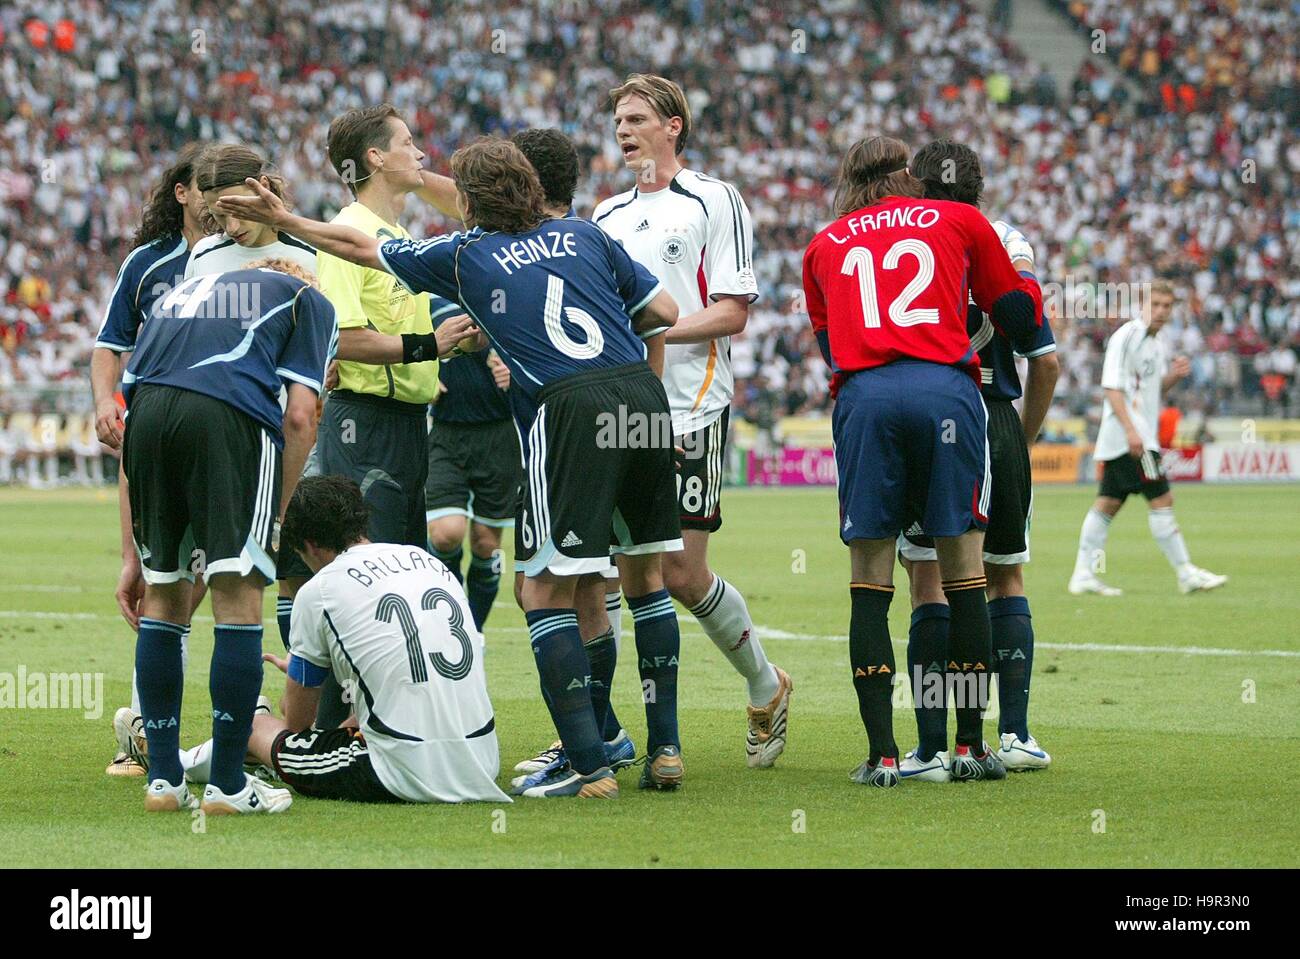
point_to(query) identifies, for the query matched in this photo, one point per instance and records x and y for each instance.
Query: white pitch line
(765, 632)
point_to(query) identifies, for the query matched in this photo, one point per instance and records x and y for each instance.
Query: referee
(373, 427)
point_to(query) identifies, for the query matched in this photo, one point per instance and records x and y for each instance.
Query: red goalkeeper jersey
(891, 281)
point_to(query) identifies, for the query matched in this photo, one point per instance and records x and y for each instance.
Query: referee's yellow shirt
(373, 299)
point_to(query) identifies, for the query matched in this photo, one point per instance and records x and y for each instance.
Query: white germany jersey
(696, 237)
(395, 627)
(219, 254)
(1135, 363)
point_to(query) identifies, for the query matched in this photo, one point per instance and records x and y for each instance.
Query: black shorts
(381, 444)
(1006, 541)
(600, 474)
(474, 471)
(699, 482)
(1128, 474)
(328, 764)
(204, 483)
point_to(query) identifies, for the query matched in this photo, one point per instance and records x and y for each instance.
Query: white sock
(185, 662)
(1092, 542)
(723, 615)
(1164, 528)
(614, 607)
(197, 762)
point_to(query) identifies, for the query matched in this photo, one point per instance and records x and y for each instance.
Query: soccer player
(693, 232)
(886, 286)
(574, 353)
(221, 171)
(393, 623)
(951, 171)
(211, 460)
(554, 157)
(474, 470)
(172, 224)
(1134, 374)
(373, 427)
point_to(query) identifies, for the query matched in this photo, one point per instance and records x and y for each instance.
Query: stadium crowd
(1194, 177)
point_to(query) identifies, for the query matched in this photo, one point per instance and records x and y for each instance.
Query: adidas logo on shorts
(570, 539)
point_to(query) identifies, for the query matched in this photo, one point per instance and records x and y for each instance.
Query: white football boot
(162, 796)
(765, 739)
(132, 757)
(1087, 582)
(1193, 579)
(256, 797)
(1019, 755)
(935, 771)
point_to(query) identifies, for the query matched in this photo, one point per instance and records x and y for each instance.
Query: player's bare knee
(1004, 581)
(1108, 505)
(446, 533)
(924, 583)
(484, 540)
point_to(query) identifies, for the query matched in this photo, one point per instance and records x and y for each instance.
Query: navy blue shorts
(911, 443)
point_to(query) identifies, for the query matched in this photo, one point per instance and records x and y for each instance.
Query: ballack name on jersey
(390, 564)
(522, 253)
(889, 219)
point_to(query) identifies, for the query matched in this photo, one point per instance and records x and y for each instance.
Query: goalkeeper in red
(886, 286)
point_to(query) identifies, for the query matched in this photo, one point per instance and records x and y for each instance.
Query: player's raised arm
(440, 193)
(342, 241)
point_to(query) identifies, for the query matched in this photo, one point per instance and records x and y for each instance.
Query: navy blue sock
(658, 647)
(927, 660)
(234, 681)
(566, 676)
(871, 658)
(1013, 652)
(160, 679)
(451, 559)
(283, 609)
(481, 584)
(603, 656)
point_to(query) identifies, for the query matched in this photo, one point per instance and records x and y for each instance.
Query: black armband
(1013, 314)
(419, 347)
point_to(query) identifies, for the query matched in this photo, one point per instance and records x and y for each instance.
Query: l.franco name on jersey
(923, 217)
(391, 564)
(522, 253)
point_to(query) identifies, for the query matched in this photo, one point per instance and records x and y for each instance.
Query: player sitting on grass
(1134, 373)
(951, 171)
(393, 625)
(577, 304)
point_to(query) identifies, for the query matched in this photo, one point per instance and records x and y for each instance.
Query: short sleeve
(1037, 342)
(1114, 366)
(636, 285)
(122, 317)
(729, 248)
(308, 638)
(312, 341)
(427, 266)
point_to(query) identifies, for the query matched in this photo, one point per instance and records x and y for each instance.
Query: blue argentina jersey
(998, 377)
(555, 301)
(148, 273)
(472, 396)
(236, 337)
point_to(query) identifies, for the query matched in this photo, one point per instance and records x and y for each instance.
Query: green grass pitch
(1174, 754)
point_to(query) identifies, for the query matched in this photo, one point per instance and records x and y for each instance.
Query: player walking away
(951, 171)
(172, 224)
(885, 286)
(474, 469)
(574, 354)
(393, 623)
(694, 233)
(1135, 372)
(554, 157)
(373, 427)
(221, 171)
(211, 460)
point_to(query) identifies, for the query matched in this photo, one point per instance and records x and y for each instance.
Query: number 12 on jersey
(900, 311)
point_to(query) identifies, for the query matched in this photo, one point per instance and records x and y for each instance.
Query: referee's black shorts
(204, 485)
